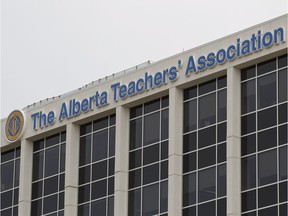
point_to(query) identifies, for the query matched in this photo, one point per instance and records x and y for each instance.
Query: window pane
(111, 206)
(222, 82)
(84, 194)
(207, 137)
(206, 157)
(266, 66)
(282, 86)
(267, 196)
(83, 210)
(207, 110)
(51, 161)
(189, 189)
(100, 124)
(283, 194)
(99, 189)
(266, 90)
(189, 142)
(221, 180)
(151, 200)
(221, 207)
(37, 189)
(164, 196)
(136, 111)
(135, 159)
(100, 145)
(134, 203)
(207, 87)
(189, 162)
(134, 178)
(248, 96)
(282, 61)
(207, 209)
(112, 142)
(99, 207)
(248, 144)
(248, 73)
(135, 134)
(248, 124)
(248, 172)
(248, 201)
(7, 171)
(50, 204)
(222, 105)
(50, 185)
(190, 93)
(283, 113)
(38, 165)
(84, 175)
(207, 184)
(267, 118)
(52, 140)
(165, 102)
(151, 174)
(99, 170)
(151, 106)
(267, 166)
(221, 132)
(268, 211)
(221, 153)
(6, 199)
(86, 128)
(190, 113)
(283, 163)
(164, 124)
(267, 139)
(152, 128)
(151, 154)
(85, 150)
(36, 208)
(189, 211)
(283, 134)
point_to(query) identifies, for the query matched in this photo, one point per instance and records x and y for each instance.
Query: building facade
(201, 133)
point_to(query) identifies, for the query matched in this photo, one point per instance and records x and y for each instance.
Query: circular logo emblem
(14, 126)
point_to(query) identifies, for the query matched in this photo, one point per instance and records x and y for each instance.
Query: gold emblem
(14, 126)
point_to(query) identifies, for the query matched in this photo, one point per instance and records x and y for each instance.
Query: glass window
(135, 133)
(248, 172)
(248, 73)
(221, 82)
(190, 142)
(282, 61)
(85, 150)
(222, 105)
(282, 115)
(267, 167)
(134, 203)
(151, 154)
(135, 159)
(150, 200)
(267, 196)
(267, 139)
(268, 211)
(189, 162)
(248, 201)
(164, 196)
(248, 144)
(207, 157)
(151, 106)
(190, 113)
(189, 189)
(266, 66)
(283, 163)
(190, 93)
(207, 184)
(151, 174)
(266, 88)
(221, 180)
(207, 137)
(98, 207)
(164, 124)
(100, 124)
(283, 195)
(100, 145)
(282, 86)
(207, 111)
(51, 161)
(248, 96)
(207, 209)
(152, 128)
(283, 134)
(267, 118)
(207, 87)
(248, 124)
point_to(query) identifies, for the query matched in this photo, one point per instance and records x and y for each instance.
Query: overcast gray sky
(50, 47)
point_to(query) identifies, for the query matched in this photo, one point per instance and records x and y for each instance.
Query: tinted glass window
(190, 112)
(189, 189)
(151, 128)
(248, 173)
(267, 163)
(207, 111)
(207, 184)
(266, 66)
(248, 96)
(266, 90)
